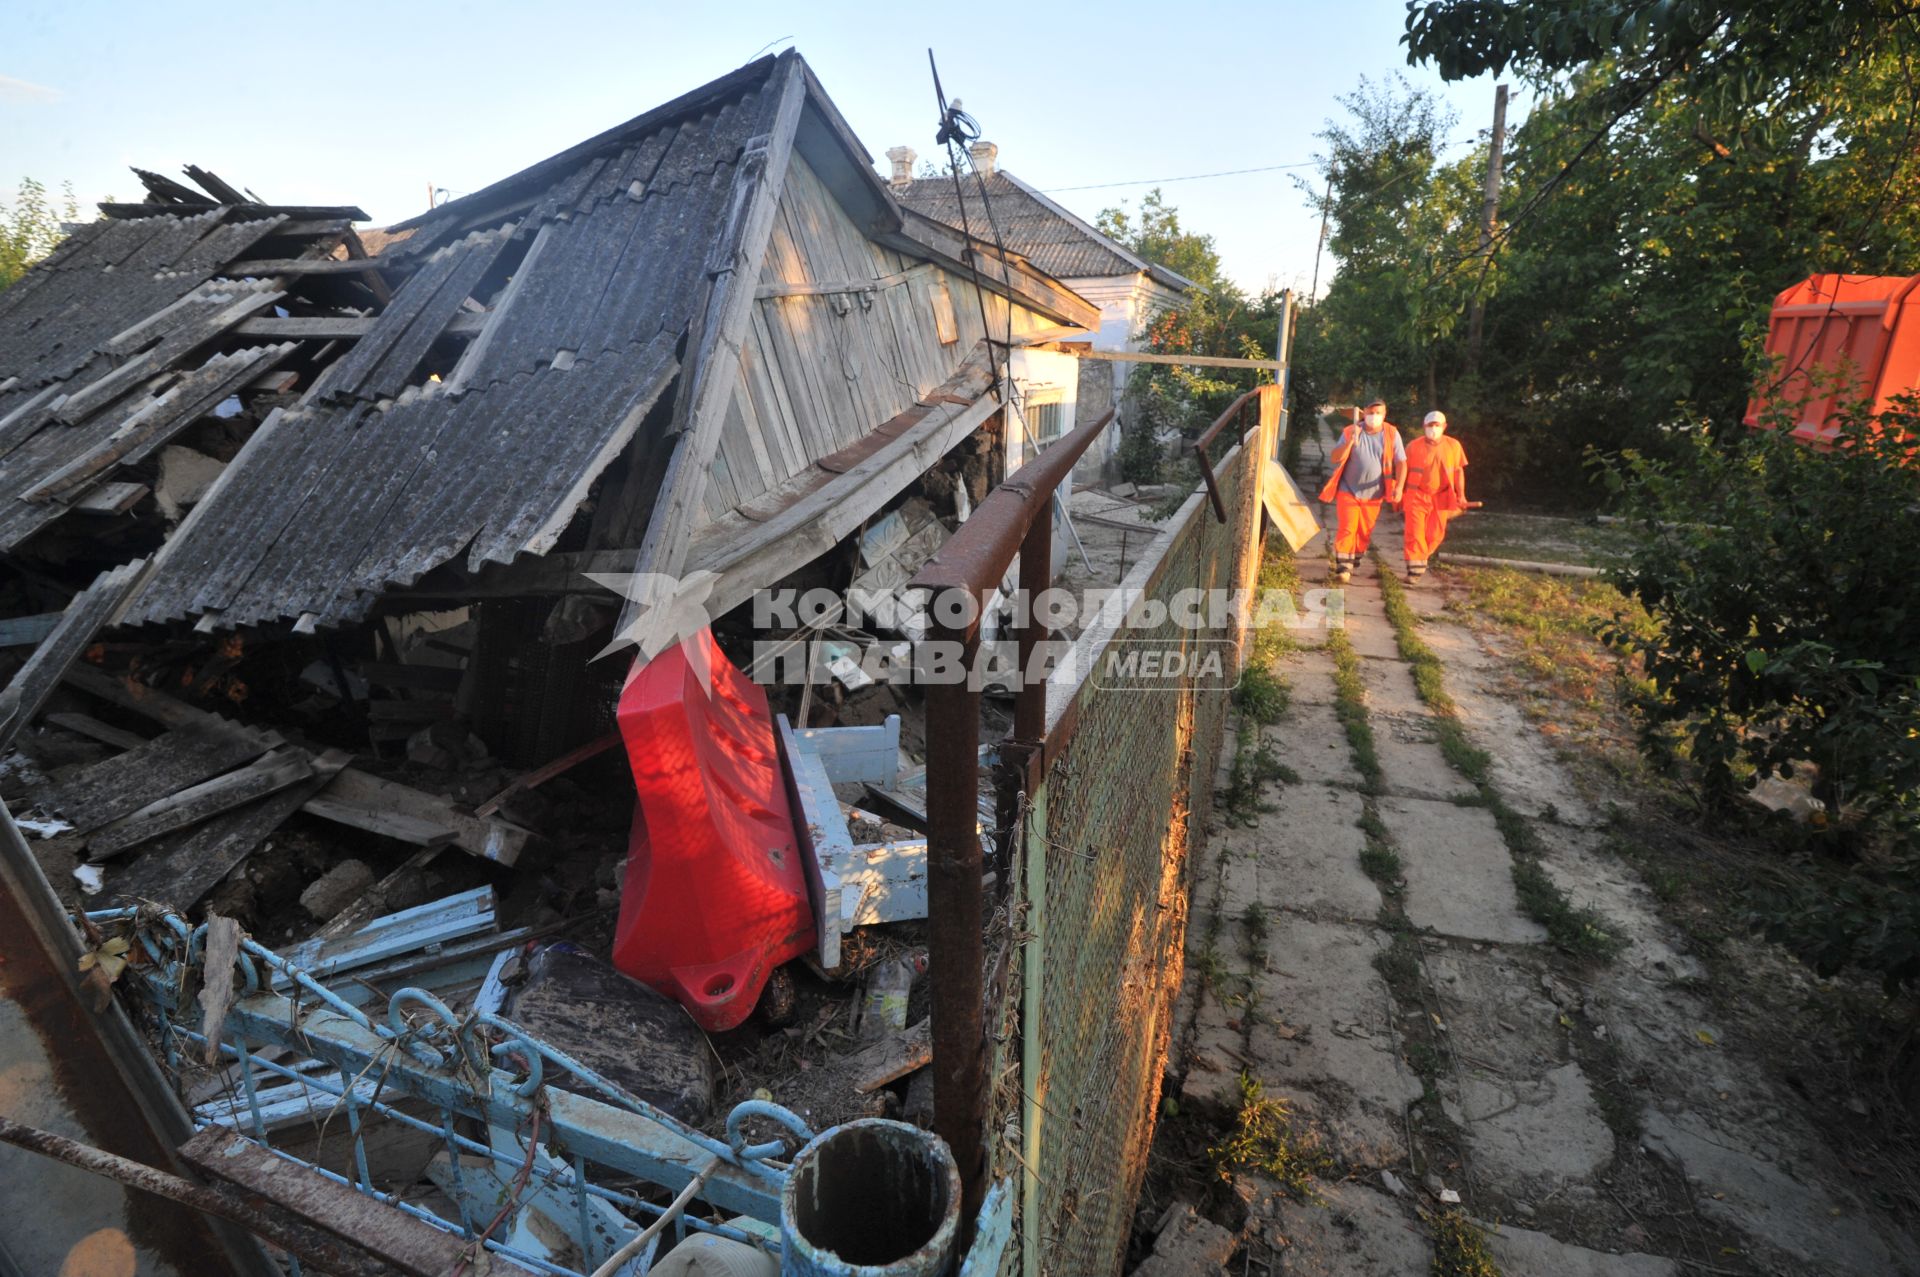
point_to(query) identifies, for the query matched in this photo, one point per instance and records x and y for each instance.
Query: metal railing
(597, 1161)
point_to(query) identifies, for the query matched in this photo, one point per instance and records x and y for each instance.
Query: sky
(380, 105)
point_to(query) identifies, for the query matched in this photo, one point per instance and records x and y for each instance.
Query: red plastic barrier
(1868, 322)
(715, 895)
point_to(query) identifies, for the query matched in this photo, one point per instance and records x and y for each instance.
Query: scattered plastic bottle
(883, 1007)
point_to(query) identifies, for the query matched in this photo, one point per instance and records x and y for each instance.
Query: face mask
(1434, 432)
(1375, 418)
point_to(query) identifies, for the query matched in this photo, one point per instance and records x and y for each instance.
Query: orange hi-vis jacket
(1436, 472)
(1395, 478)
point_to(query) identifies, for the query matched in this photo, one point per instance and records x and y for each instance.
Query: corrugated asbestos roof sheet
(344, 496)
(1029, 224)
(103, 348)
(102, 280)
(328, 506)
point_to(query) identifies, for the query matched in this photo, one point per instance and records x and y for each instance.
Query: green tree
(1155, 233)
(1401, 223)
(1215, 318)
(30, 227)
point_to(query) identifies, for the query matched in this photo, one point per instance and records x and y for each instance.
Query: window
(1047, 419)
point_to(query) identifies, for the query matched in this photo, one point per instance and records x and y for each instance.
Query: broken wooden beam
(88, 611)
(892, 1058)
(268, 266)
(239, 212)
(311, 1245)
(196, 803)
(541, 775)
(27, 631)
(353, 798)
(337, 327)
(397, 1241)
(111, 498)
(151, 771)
(92, 728)
(398, 811)
(180, 868)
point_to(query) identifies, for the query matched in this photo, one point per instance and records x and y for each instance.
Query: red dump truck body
(1868, 324)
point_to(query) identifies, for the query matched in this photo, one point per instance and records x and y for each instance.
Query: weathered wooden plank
(395, 1239)
(412, 678)
(374, 820)
(282, 328)
(105, 733)
(241, 213)
(180, 868)
(353, 798)
(87, 612)
(108, 791)
(892, 1058)
(269, 266)
(190, 806)
(366, 802)
(1142, 357)
(26, 631)
(112, 498)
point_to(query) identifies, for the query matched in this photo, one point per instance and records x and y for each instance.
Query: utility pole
(1326, 205)
(1283, 355)
(1489, 211)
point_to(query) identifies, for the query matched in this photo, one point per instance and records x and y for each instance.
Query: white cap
(1435, 419)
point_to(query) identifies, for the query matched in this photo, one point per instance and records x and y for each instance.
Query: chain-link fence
(1108, 840)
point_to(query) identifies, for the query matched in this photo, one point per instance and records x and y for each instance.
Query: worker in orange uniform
(1436, 491)
(1369, 467)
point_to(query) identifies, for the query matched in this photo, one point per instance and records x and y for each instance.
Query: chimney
(983, 156)
(903, 158)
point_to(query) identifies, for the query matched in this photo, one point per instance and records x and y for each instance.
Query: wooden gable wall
(846, 335)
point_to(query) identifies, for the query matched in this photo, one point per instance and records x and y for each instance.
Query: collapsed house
(349, 523)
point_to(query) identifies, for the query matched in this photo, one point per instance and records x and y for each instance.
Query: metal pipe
(874, 1198)
(956, 913)
(970, 564)
(1199, 450)
(308, 1243)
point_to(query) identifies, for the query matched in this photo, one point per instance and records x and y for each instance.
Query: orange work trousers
(1354, 520)
(1426, 526)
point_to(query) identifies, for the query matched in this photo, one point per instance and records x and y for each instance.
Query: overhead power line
(1232, 172)
(1191, 177)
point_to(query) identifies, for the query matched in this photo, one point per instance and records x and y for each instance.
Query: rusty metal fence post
(1014, 518)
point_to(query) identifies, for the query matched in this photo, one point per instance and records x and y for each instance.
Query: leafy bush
(1782, 588)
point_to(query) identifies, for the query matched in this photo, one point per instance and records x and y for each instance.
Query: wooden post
(1489, 210)
(1326, 206)
(1283, 355)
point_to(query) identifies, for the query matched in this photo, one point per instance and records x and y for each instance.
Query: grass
(1538, 538)
(1262, 698)
(1263, 1139)
(1378, 857)
(1573, 682)
(1350, 705)
(1460, 1246)
(1262, 694)
(1578, 930)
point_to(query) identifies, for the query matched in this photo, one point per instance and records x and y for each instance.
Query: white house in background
(1128, 289)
